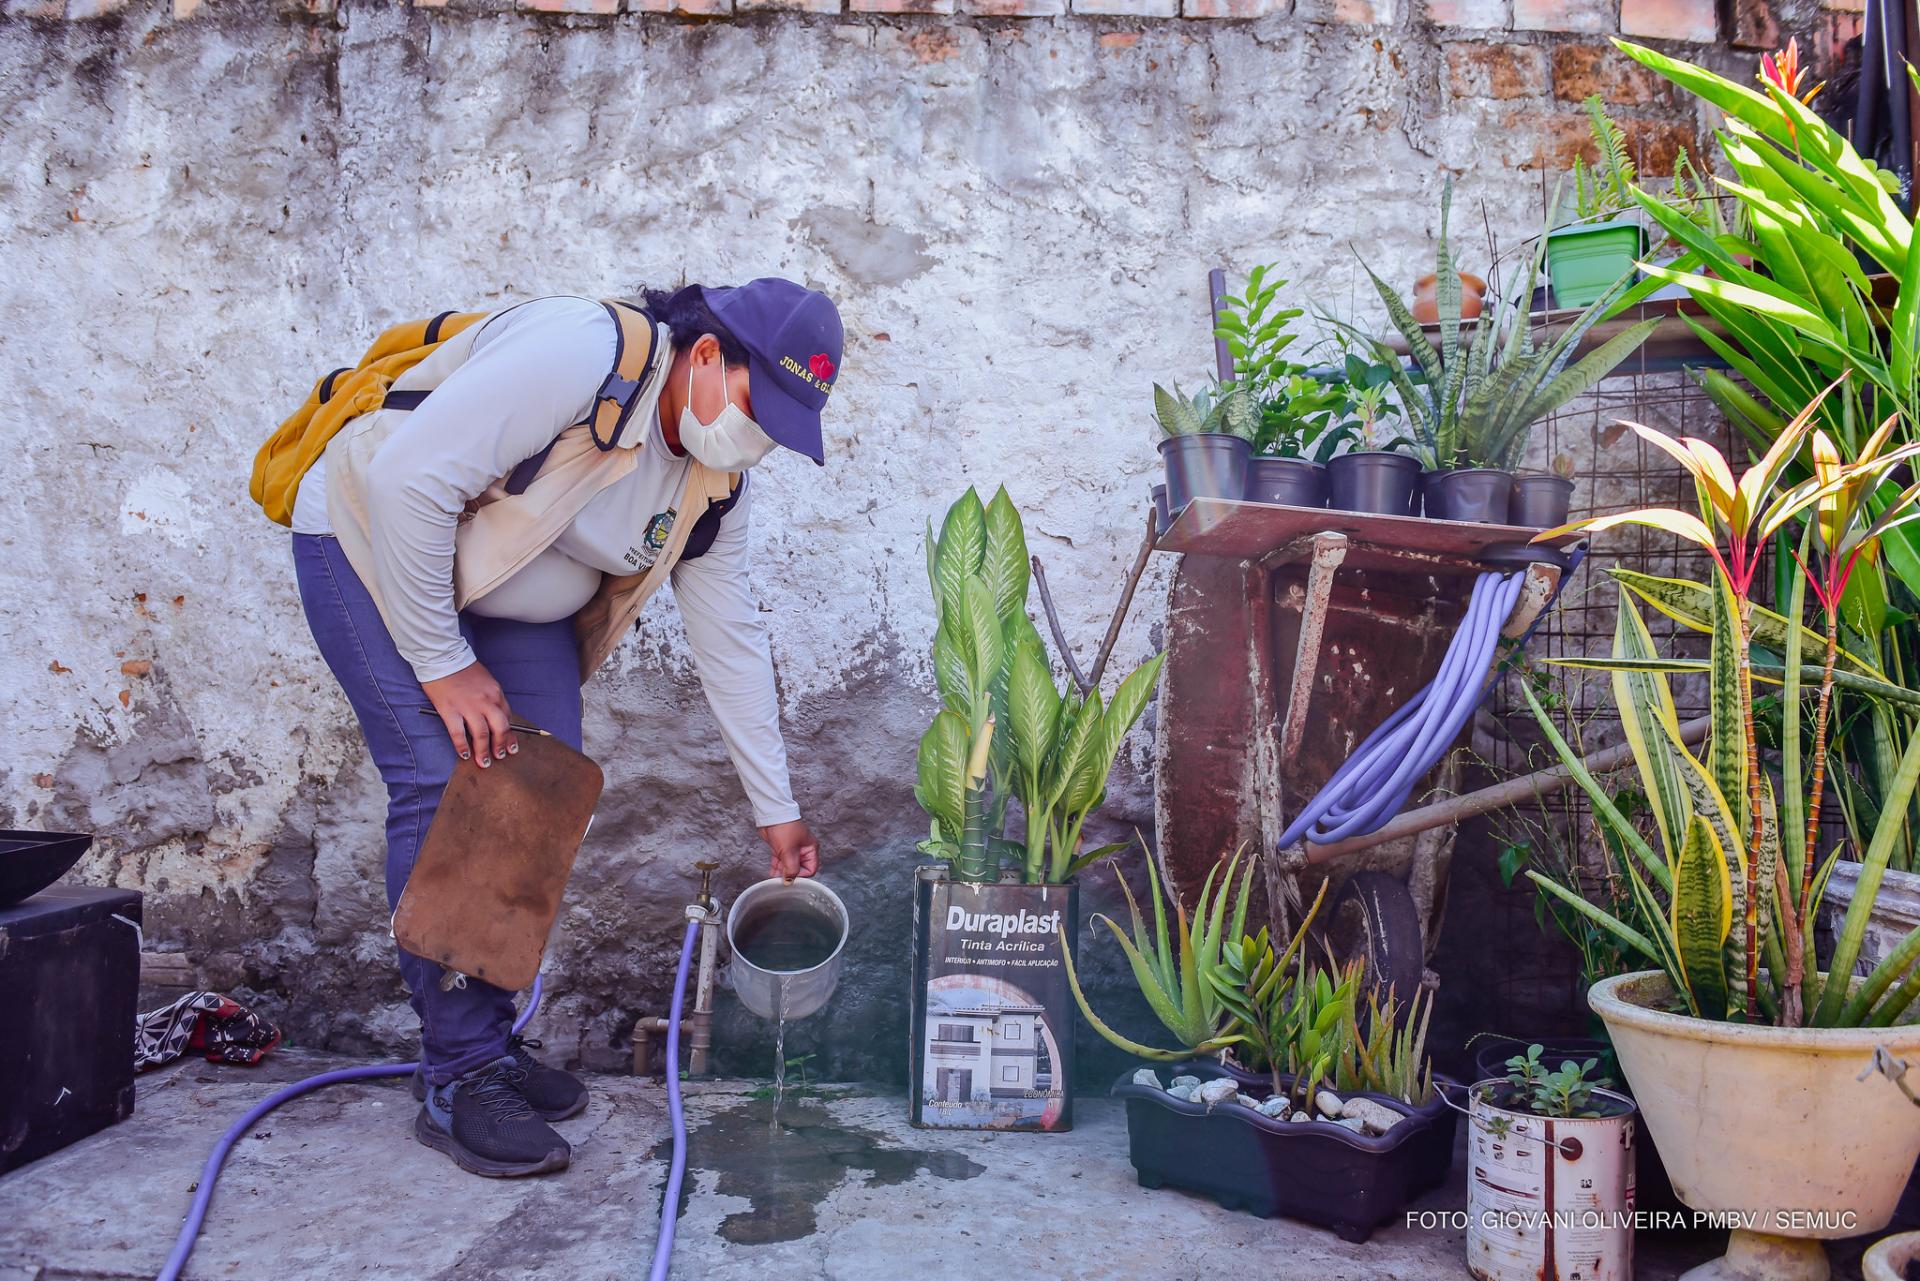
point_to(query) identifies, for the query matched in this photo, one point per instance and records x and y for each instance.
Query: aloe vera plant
(1178, 971)
(1473, 403)
(1003, 731)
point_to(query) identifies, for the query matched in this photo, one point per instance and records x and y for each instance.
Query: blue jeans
(539, 671)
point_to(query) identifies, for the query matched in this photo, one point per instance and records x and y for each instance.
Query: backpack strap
(635, 357)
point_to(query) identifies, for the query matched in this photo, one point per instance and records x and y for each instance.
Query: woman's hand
(474, 711)
(795, 853)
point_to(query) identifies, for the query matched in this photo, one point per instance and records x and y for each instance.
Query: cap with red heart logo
(792, 335)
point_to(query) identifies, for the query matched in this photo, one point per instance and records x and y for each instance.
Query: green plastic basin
(1586, 260)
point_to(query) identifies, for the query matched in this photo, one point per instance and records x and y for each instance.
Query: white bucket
(1549, 1196)
(810, 922)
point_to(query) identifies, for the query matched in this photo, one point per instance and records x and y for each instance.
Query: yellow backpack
(345, 394)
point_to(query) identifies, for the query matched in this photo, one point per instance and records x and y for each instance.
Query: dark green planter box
(1586, 260)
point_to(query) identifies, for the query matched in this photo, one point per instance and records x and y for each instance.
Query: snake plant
(1472, 404)
(1728, 852)
(1003, 731)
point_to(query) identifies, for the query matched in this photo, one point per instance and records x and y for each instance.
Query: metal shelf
(1272, 535)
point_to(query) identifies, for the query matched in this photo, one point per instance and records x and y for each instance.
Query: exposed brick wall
(1824, 24)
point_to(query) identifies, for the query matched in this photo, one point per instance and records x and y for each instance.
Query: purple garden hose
(197, 1213)
(677, 1168)
(1375, 782)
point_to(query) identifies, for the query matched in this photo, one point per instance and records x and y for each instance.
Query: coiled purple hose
(1375, 782)
(209, 1173)
(677, 1168)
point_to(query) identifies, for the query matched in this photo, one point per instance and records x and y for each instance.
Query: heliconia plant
(1003, 730)
(1724, 855)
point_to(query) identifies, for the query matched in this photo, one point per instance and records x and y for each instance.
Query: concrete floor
(334, 1185)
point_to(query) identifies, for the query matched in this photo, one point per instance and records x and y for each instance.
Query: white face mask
(732, 441)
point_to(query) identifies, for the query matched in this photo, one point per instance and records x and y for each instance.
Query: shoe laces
(498, 1094)
(518, 1046)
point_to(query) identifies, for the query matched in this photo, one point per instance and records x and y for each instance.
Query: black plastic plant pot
(1418, 494)
(1479, 495)
(31, 861)
(1541, 502)
(1204, 465)
(1161, 517)
(1289, 482)
(1314, 1171)
(1373, 481)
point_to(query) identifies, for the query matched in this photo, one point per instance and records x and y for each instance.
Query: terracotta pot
(1426, 303)
(1767, 1123)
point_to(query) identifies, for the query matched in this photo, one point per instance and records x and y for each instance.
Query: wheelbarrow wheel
(1374, 916)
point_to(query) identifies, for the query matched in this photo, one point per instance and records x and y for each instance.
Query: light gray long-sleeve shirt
(532, 373)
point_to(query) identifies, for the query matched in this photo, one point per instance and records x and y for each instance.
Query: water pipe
(677, 1168)
(1375, 781)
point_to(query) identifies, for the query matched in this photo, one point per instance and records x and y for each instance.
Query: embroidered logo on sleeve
(651, 544)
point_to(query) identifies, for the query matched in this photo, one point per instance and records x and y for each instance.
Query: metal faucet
(697, 1025)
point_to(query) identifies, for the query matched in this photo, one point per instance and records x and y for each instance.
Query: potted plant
(1208, 441)
(992, 1025)
(1470, 405)
(1299, 418)
(1595, 249)
(1541, 500)
(1550, 1144)
(1374, 475)
(1330, 1113)
(1763, 1073)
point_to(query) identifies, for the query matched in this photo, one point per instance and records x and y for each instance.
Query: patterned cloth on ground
(225, 1030)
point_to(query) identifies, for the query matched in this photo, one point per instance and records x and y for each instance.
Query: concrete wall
(210, 204)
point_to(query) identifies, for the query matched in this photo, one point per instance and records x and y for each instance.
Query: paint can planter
(1477, 495)
(1373, 481)
(991, 1037)
(1549, 1196)
(1313, 1171)
(1289, 482)
(1773, 1127)
(1587, 259)
(1207, 464)
(1540, 502)
(1652, 1189)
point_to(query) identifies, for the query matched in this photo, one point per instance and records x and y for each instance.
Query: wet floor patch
(786, 1175)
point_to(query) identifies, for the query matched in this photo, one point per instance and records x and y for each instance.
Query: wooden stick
(1053, 622)
(1088, 683)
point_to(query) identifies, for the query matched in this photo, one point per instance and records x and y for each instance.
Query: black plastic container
(1373, 481)
(69, 986)
(1314, 1171)
(1540, 502)
(1478, 495)
(31, 861)
(1290, 482)
(1204, 465)
(1161, 517)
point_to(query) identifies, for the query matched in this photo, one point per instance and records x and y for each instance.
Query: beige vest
(500, 533)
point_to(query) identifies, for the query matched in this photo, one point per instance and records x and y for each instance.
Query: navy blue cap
(792, 335)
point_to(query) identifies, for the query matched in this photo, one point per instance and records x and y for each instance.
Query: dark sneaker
(552, 1094)
(484, 1124)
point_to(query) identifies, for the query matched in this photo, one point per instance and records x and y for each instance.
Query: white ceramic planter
(1888, 1259)
(1896, 909)
(1767, 1126)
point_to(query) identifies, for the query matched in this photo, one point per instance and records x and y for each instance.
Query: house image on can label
(982, 1052)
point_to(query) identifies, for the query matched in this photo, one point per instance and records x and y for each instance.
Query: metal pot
(1207, 464)
(1540, 502)
(788, 941)
(1290, 482)
(1549, 1196)
(1478, 495)
(1373, 481)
